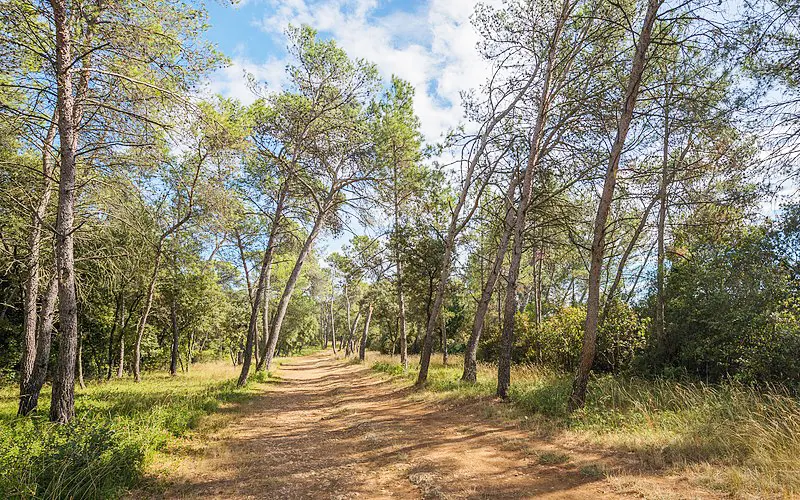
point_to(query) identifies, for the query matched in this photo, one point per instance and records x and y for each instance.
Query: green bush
(732, 312)
(557, 340)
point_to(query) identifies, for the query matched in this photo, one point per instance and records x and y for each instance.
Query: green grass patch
(749, 437)
(553, 458)
(118, 426)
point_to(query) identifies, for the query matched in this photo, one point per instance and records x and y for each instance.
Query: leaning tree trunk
(261, 343)
(252, 326)
(510, 310)
(62, 405)
(288, 290)
(454, 229)
(44, 336)
(471, 353)
(148, 304)
(510, 306)
(352, 334)
(362, 351)
(29, 343)
(578, 396)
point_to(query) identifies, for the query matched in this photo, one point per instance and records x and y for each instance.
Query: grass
(119, 426)
(729, 437)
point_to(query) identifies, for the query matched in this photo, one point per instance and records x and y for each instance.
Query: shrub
(731, 313)
(557, 341)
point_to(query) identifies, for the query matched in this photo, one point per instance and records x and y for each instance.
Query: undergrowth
(118, 426)
(737, 438)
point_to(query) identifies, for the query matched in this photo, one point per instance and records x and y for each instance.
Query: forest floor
(329, 429)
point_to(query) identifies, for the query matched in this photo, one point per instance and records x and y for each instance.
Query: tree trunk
(62, 405)
(30, 394)
(454, 229)
(29, 342)
(121, 365)
(402, 329)
(362, 351)
(345, 338)
(257, 343)
(662, 217)
(333, 326)
(148, 304)
(401, 299)
(471, 354)
(117, 322)
(612, 291)
(510, 306)
(288, 290)
(173, 362)
(352, 334)
(252, 327)
(578, 396)
(265, 316)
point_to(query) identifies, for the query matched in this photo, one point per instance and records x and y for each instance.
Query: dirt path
(330, 430)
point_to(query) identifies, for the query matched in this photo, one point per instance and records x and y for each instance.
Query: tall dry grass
(740, 439)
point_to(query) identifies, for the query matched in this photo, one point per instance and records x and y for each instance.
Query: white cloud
(232, 81)
(433, 48)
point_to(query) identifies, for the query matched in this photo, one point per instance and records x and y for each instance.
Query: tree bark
(30, 394)
(62, 406)
(578, 396)
(29, 343)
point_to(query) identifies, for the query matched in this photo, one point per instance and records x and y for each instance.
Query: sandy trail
(331, 430)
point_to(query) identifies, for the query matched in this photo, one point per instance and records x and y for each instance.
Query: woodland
(610, 238)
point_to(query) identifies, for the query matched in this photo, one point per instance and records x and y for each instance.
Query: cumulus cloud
(232, 80)
(433, 46)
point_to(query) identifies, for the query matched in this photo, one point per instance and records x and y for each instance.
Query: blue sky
(430, 43)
